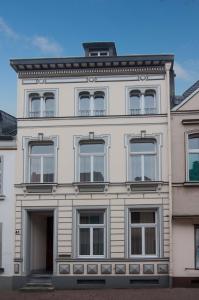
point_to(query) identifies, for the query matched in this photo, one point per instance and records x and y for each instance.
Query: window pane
(84, 241)
(98, 104)
(149, 167)
(92, 148)
(136, 241)
(142, 217)
(42, 149)
(135, 168)
(35, 169)
(150, 241)
(149, 103)
(98, 241)
(85, 168)
(197, 248)
(135, 102)
(194, 143)
(84, 104)
(48, 169)
(49, 107)
(194, 167)
(35, 107)
(142, 146)
(91, 218)
(98, 168)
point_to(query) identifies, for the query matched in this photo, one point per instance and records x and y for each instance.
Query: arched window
(41, 162)
(92, 161)
(92, 103)
(135, 102)
(143, 159)
(142, 102)
(149, 102)
(41, 105)
(193, 159)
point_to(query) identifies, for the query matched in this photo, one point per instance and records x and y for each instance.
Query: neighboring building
(7, 197)
(93, 186)
(185, 174)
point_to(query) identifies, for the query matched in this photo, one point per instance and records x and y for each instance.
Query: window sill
(135, 186)
(191, 183)
(88, 187)
(40, 187)
(2, 197)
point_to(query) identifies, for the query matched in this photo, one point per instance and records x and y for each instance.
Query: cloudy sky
(48, 28)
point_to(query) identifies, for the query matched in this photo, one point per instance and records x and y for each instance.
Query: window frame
(41, 95)
(91, 92)
(142, 154)
(91, 227)
(143, 90)
(1, 174)
(188, 152)
(196, 227)
(155, 225)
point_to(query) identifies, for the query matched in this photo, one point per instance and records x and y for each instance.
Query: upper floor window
(92, 104)
(143, 236)
(41, 162)
(95, 53)
(193, 159)
(142, 160)
(142, 102)
(1, 175)
(92, 161)
(42, 104)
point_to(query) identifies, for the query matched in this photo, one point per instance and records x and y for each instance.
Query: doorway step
(38, 283)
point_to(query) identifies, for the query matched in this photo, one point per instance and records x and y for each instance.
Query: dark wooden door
(49, 245)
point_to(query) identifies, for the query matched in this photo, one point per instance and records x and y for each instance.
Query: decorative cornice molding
(91, 72)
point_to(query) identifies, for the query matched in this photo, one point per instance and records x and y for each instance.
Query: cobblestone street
(114, 294)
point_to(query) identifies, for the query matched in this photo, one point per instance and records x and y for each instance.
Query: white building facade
(93, 187)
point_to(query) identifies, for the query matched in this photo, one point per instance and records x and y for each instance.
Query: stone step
(37, 289)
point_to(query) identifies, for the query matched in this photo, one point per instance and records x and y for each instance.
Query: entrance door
(41, 242)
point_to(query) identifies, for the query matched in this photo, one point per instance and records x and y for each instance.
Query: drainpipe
(168, 67)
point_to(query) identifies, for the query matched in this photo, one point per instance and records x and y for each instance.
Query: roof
(181, 100)
(68, 63)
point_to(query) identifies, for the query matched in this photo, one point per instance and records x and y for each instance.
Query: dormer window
(41, 104)
(99, 52)
(100, 49)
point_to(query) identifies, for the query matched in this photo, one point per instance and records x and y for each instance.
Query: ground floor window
(197, 246)
(143, 232)
(91, 233)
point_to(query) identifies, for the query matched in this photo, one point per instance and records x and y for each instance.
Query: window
(95, 53)
(42, 104)
(91, 233)
(1, 175)
(197, 247)
(142, 102)
(193, 159)
(143, 233)
(91, 104)
(92, 161)
(143, 160)
(41, 162)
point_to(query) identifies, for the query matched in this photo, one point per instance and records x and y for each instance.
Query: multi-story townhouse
(7, 197)
(185, 177)
(93, 187)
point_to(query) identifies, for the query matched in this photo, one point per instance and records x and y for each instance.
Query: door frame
(26, 236)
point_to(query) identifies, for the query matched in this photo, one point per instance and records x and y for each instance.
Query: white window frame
(91, 156)
(193, 151)
(143, 154)
(91, 92)
(1, 175)
(41, 94)
(41, 157)
(143, 90)
(155, 225)
(91, 227)
(98, 53)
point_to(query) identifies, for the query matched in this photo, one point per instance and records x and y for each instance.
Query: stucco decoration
(162, 269)
(120, 269)
(106, 269)
(78, 269)
(92, 269)
(64, 268)
(134, 268)
(148, 269)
